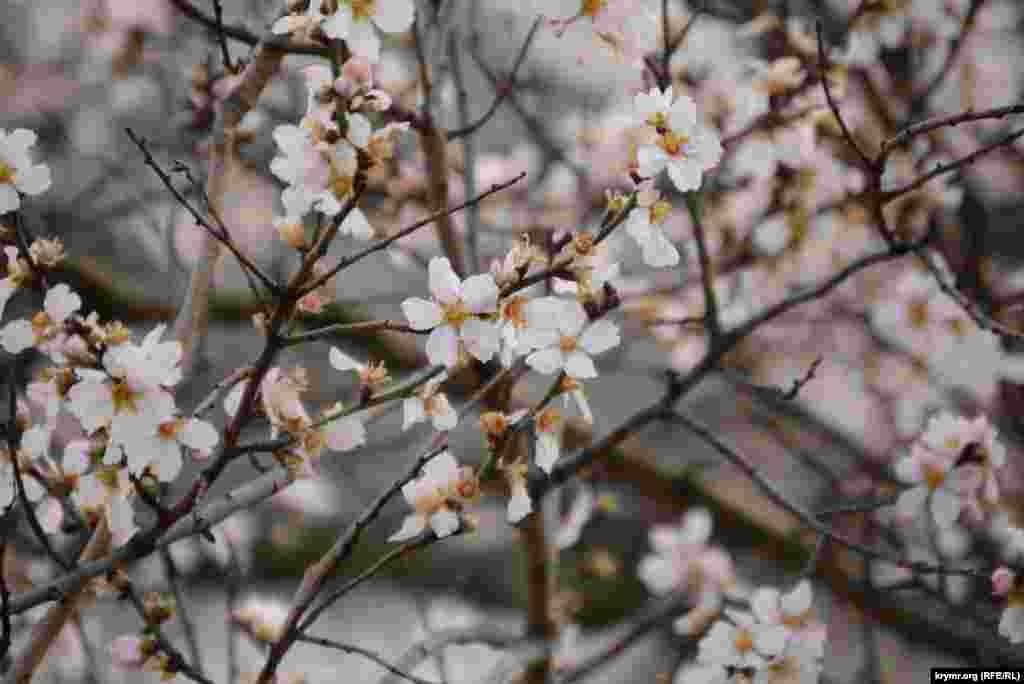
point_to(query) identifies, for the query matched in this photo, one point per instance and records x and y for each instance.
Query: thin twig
(501, 92)
(188, 627)
(218, 15)
(383, 244)
(366, 653)
(865, 160)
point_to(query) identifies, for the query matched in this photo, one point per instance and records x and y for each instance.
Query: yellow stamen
(917, 313)
(7, 173)
(659, 211)
(455, 314)
(362, 10)
(673, 143)
(934, 476)
(340, 184)
(124, 398)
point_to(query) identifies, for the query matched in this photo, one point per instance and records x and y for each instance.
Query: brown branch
(866, 162)
(950, 120)
(366, 653)
(507, 85)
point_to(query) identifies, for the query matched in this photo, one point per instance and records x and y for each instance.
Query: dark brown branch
(866, 162)
(950, 120)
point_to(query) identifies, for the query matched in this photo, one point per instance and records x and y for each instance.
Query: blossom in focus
(644, 226)
(158, 448)
(455, 315)
(678, 142)
(18, 174)
(741, 641)
(569, 344)
(354, 23)
(60, 302)
(435, 496)
(428, 402)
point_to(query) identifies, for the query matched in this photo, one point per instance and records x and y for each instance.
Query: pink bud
(1002, 581)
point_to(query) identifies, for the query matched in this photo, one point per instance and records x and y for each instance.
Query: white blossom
(455, 315)
(571, 344)
(18, 174)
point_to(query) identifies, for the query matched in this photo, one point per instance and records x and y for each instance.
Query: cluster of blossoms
(325, 159)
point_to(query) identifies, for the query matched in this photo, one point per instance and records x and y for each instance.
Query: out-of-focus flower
(354, 23)
(18, 174)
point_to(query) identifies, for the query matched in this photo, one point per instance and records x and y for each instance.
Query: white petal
(359, 130)
(685, 175)
(442, 468)
(342, 361)
(798, 601)
(651, 160)
(421, 314)
(546, 361)
(17, 336)
(33, 180)
(519, 505)
(394, 16)
(198, 434)
(480, 294)
(444, 523)
(9, 200)
(345, 434)
(412, 412)
(339, 24)
(357, 225)
(771, 640)
(363, 40)
(548, 449)
(600, 337)
(443, 346)
(482, 338)
(580, 366)
(573, 318)
(412, 526)
(765, 604)
(444, 284)
(945, 507)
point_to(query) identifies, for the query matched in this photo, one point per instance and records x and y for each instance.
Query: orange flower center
(568, 344)
(455, 314)
(124, 398)
(934, 476)
(673, 143)
(514, 311)
(744, 641)
(591, 8)
(548, 420)
(339, 184)
(659, 211)
(917, 313)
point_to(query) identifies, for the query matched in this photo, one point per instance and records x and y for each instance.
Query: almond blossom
(354, 22)
(679, 143)
(436, 497)
(320, 176)
(549, 438)
(428, 402)
(19, 274)
(792, 611)
(44, 330)
(131, 393)
(644, 226)
(681, 559)
(158, 449)
(18, 175)
(570, 343)
(456, 315)
(742, 641)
